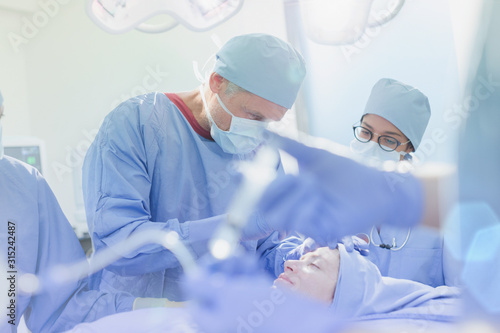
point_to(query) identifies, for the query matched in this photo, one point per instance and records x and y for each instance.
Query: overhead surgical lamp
(338, 22)
(119, 16)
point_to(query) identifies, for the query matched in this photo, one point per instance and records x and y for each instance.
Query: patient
(353, 287)
(314, 275)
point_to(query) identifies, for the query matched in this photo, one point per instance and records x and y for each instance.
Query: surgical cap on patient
(404, 106)
(263, 65)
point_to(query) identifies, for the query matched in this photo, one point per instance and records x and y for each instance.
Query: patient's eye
(314, 266)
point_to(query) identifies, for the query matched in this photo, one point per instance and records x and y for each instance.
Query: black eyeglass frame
(378, 140)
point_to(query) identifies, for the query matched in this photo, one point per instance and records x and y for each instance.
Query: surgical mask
(1, 143)
(373, 155)
(244, 135)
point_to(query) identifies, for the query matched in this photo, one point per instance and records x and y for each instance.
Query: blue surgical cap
(404, 106)
(1, 99)
(264, 65)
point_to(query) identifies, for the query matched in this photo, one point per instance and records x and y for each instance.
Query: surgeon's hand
(257, 227)
(334, 196)
(307, 246)
(358, 243)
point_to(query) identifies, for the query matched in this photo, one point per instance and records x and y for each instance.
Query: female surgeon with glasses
(391, 129)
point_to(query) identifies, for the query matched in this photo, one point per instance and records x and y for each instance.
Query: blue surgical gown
(149, 169)
(420, 260)
(42, 239)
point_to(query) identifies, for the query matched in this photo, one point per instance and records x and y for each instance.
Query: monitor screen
(28, 154)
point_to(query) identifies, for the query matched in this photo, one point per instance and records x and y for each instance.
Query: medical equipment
(257, 175)
(392, 246)
(327, 194)
(119, 16)
(70, 273)
(343, 21)
(30, 150)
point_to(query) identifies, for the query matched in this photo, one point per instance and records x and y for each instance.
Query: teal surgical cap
(405, 107)
(264, 65)
(1, 99)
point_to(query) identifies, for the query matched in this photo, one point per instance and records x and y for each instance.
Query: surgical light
(337, 22)
(119, 16)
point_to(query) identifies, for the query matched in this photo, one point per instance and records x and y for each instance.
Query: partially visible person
(393, 123)
(37, 238)
(165, 161)
(391, 129)
(323, 201)
(353, 287)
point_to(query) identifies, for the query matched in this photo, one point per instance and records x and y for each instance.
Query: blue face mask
(373, 155)
(243, 136)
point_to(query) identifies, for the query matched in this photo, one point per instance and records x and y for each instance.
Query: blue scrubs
(152, 167)
(420, 260)
(44, 239)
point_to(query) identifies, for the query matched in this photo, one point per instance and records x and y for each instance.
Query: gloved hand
(307, 246)
(235, 296)
(358, 243)
(334, 196)
(257, 227)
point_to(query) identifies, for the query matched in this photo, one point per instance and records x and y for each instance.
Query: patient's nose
(291, 265)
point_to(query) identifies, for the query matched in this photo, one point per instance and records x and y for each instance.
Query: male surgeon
(165, 161)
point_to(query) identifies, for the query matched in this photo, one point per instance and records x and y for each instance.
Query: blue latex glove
(308, 245)
(334, 196)
(235, 296)
(359, 244)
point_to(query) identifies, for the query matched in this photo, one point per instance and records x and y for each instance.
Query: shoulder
(140, 113)
(19, 176)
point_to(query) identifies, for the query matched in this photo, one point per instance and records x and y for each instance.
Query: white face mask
(371, 153)
(1, 143)
(243, 136)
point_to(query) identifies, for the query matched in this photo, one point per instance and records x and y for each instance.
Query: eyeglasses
(386, 142)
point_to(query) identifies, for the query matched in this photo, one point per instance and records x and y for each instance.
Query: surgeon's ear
(216, 83)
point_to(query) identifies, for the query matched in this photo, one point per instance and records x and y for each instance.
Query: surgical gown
(41, 238)
(420, 260)
(152, 167)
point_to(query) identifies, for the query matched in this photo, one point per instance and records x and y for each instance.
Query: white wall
(13, 78)
(417, 48)
(69, 75)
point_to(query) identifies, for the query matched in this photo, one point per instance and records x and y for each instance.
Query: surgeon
(36, 238)
(166, 161)
(391, 129)
(394, 121)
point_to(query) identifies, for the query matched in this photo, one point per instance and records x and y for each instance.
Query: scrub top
(420, 260)
(38, 237)
(153, 167)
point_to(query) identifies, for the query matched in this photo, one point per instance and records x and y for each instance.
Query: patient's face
(314, 275)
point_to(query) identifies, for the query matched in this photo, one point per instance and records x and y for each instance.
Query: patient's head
(314, 275)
